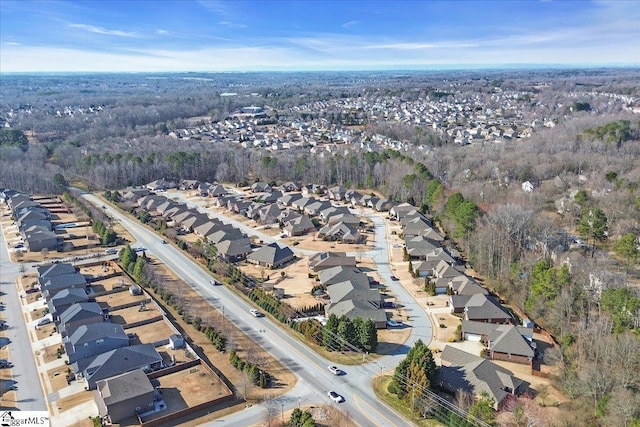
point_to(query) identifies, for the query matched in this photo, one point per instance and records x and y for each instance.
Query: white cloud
(230, 24)
(351, 24)
(100, 30)
(12, 44)
(161, 32)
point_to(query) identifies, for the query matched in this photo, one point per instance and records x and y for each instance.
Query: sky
(314, 35)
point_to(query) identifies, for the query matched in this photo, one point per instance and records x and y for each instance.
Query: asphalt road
(314, 379)
(29, 392)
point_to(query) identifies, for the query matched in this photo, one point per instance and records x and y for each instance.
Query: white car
(335, 396)
(335, 370)
(255, 313)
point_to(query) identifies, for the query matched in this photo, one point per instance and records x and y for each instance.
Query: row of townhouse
(33, 221)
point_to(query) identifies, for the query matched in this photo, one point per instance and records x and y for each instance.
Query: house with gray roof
(288, 199)
(217, 190)
(269, 214)
(324, 260)
(464, 371)
(342, 273)
(317, 206)
(270, 197)
(464, 285)
(272, 255)
(480, 307)
(51, 285)
(337, 192)
(289, 186)
(210, 227)
(340, 232)
(301, 203)
(234, 250)
(37, 237)
(81, 313)
(93, 339)
(64, 299)
(299, 226)
(119, 361)
(260, 187)
(353, 308)
(124, 396)
(346, 290)
(56, 269)
(225, 234)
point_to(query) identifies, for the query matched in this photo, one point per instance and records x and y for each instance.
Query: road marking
(375, 421)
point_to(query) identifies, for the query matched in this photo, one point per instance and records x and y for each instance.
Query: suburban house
(480, 307)
(119, 361)
(289, 186)
(124, 396)
(225, 234)
(333, 275)
(288, 199)
(37, 237)
(55, 270)
(93, 339)
(270, 197)
(355, 290)
(64, 299)
(353, 308)
(337, 193)
(324, 260)
(81, 313)
(216, 190)
(464, 285)
(464, 371)
(210, 227)
(504, 342)
(234, 250)
(269, 214)
(261, 187)
(51, 285)
(189, 184)
(271, 256)
(340, 232)
(317, 206)
(301, 203)
(298, 225)
(160, 185)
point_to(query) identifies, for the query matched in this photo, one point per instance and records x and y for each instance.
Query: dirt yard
(198, 307)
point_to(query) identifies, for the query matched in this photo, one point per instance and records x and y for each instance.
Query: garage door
(472, 337)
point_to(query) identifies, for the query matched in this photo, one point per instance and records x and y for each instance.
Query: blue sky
(237, 35)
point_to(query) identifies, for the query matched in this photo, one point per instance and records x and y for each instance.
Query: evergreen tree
(329, 332)
(347, 332)
(594, 227)
(368, 335)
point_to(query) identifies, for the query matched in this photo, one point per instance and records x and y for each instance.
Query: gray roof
(124, 387)
(355, 308)
(508, 339)
(225, 234)
(272, 254)
(56, 269)
(79, 311)
(55, 283)
(121, 360)
(346, 290)
(95, 331)
(234, 247)
(324, 260)
(341, 273)
(67, 297)
(481, 306)
(474, 374)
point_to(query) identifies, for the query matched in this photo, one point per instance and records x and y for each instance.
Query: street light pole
(282, 410)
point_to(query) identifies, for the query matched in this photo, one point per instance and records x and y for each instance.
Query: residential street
(311, 369)
(29, 392)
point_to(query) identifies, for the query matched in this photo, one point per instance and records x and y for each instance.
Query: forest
(564, 250)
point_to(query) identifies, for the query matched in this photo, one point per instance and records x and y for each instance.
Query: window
(100, 341)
